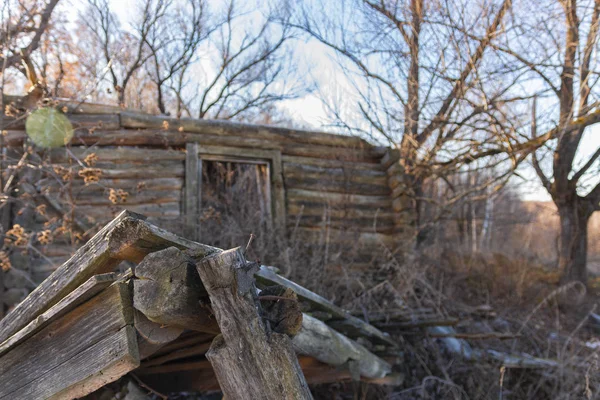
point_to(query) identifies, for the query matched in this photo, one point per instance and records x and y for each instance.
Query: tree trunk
(572, 251)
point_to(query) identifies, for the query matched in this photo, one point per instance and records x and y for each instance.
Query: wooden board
(74, 350)
(84, 292)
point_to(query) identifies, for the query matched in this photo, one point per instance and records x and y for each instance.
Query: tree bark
(572, 251)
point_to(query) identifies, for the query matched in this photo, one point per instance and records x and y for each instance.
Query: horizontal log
(298, 171)
(105, 213)
(366, 239)
(318, 340)
(79, 107)
(119, 154)
(356, 224)
(163, 139)
(318, 196)
(328, 163)
(130, 185)
(333, 186)
(79, 121)
(140, 170)
(332, 153)
(344, 211)
(82, 197)
(223, 128)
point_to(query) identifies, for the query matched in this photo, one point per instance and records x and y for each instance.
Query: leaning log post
(249, 362)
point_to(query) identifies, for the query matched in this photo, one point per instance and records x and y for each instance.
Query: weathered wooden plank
(127, 237)
(318, 340)
(248, 363)
(119, 154)
(215, 127)
(347, 236)
(83, 293)
(354, 327)
(319, 196)
(367, 155)
(335, 186)
(105, 213)
(384, 226)
(329, 163)
(372, 176)
(85, 198)
(193, 190)
(95, 367)
(140, 171)
(30, 370)
(85, 121)
(131, 185)
(344, 211)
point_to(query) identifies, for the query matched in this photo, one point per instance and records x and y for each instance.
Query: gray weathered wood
(168, 291)
(127, 237)
(96, 366)
(215, 127)
(83, 293)
(193, 190)
(317, 340)
(60, 355)
(248, 363)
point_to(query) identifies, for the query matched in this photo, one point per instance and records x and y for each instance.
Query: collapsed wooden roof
(87, 325)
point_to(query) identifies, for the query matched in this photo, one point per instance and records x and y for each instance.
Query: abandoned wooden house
(186, 176)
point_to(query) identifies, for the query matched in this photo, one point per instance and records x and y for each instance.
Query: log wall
(333, 185)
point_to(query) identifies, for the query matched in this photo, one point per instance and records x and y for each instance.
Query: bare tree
(562, 53)
(174, 44)
(23, 25)
(124, 52)
(247, 70)
(428, 80)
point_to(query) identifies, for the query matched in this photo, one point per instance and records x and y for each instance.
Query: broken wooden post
(249, 362)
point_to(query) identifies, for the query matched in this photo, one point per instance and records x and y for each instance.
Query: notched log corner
(168, 291)
(281, 309)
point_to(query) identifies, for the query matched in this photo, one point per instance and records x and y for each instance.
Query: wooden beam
(193, 190)
(90, 346)
(248, 362)
(317, 340)
(127, 237)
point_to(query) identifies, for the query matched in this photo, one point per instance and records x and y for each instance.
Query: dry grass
(486, 292)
